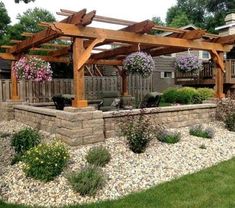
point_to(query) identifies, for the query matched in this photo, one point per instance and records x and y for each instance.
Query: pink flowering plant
(33, 68)
(188, 63)
(139, 63)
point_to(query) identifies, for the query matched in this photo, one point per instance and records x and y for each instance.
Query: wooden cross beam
(128, 37)
(190, 35)
(141, 27)
(64, 59)
(229, 39)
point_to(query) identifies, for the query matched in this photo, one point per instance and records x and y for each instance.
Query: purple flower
(139, 63)
(188, 63)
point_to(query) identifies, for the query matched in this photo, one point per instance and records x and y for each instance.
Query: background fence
(33, 92)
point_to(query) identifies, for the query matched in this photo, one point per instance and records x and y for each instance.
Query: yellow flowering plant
(46, 161)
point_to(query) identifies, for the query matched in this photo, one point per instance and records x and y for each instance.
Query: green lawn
(210, 188)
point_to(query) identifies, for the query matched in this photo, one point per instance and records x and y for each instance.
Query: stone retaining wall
(84, 126)
(172, 117)
(74, 126)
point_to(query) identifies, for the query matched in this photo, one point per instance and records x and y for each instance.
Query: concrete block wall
(172, 117)
(73, 126)
(84, 126)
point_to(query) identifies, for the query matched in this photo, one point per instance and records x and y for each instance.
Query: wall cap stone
(121, 113)
(40, 110)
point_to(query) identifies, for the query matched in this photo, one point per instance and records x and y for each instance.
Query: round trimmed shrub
(170, 95)
(186, 95)
(46, 161)
(87, 181)
(98, 156)
(25, 140)
(206, 93)
(168, 137)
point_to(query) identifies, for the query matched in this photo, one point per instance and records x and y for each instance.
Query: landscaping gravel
(127, 172)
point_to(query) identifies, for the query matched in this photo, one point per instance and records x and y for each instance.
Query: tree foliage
(206, 14)
(29, 20)
(4, 18)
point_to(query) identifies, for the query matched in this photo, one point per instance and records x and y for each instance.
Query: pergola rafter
(82, 39)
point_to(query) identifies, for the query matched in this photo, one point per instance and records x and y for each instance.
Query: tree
(4, 18)
(29, 20)
(157, 21)
(206, 14)
(180, 20)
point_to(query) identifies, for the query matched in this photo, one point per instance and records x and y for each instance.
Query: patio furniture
(150, 100)
(63, 100)
(110, 101)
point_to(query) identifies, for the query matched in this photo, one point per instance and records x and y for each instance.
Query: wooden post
(219, 81)
(124, 84)
(14, 87)
(78, 75)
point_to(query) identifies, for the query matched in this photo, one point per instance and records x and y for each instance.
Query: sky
(135, 10)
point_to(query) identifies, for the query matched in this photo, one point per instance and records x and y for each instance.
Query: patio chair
(150, 100)
(110, 101)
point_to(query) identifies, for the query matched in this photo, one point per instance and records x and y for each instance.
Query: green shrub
(230, 121)
(46, 161)
(170, 95)
(168, 137)
(206, 93)
(98, 156)
(185, 95)
(138, 131)
(197, 99)
(25, 139)
(198, 131)
(88, 181)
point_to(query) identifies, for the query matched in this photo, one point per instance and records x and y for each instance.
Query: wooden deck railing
(207, 75)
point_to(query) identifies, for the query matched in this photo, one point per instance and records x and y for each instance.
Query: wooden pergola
(81, 41)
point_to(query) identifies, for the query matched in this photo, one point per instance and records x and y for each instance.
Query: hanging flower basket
(33, 68)
(139, 63)
(188, 63)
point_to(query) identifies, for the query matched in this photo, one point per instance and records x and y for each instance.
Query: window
(205, 55)
(167, 74)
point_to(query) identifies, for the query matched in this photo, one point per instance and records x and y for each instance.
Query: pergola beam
(63, 59)
(190, 35)
(128, 37)
(141, 27)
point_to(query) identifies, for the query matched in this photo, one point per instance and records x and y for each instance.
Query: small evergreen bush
(230, 121)
(168, 137)
(87, 181)
(170, 95)
(198, 131)
(206, 93)
(186, 95)
(46, 161)
(25, 139)
(98, 156)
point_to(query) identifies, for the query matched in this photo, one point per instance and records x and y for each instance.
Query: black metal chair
(151, 100)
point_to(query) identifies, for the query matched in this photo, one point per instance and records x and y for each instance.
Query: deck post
(14, 87)
(219, 81)
(78, 75)
(124, 84)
